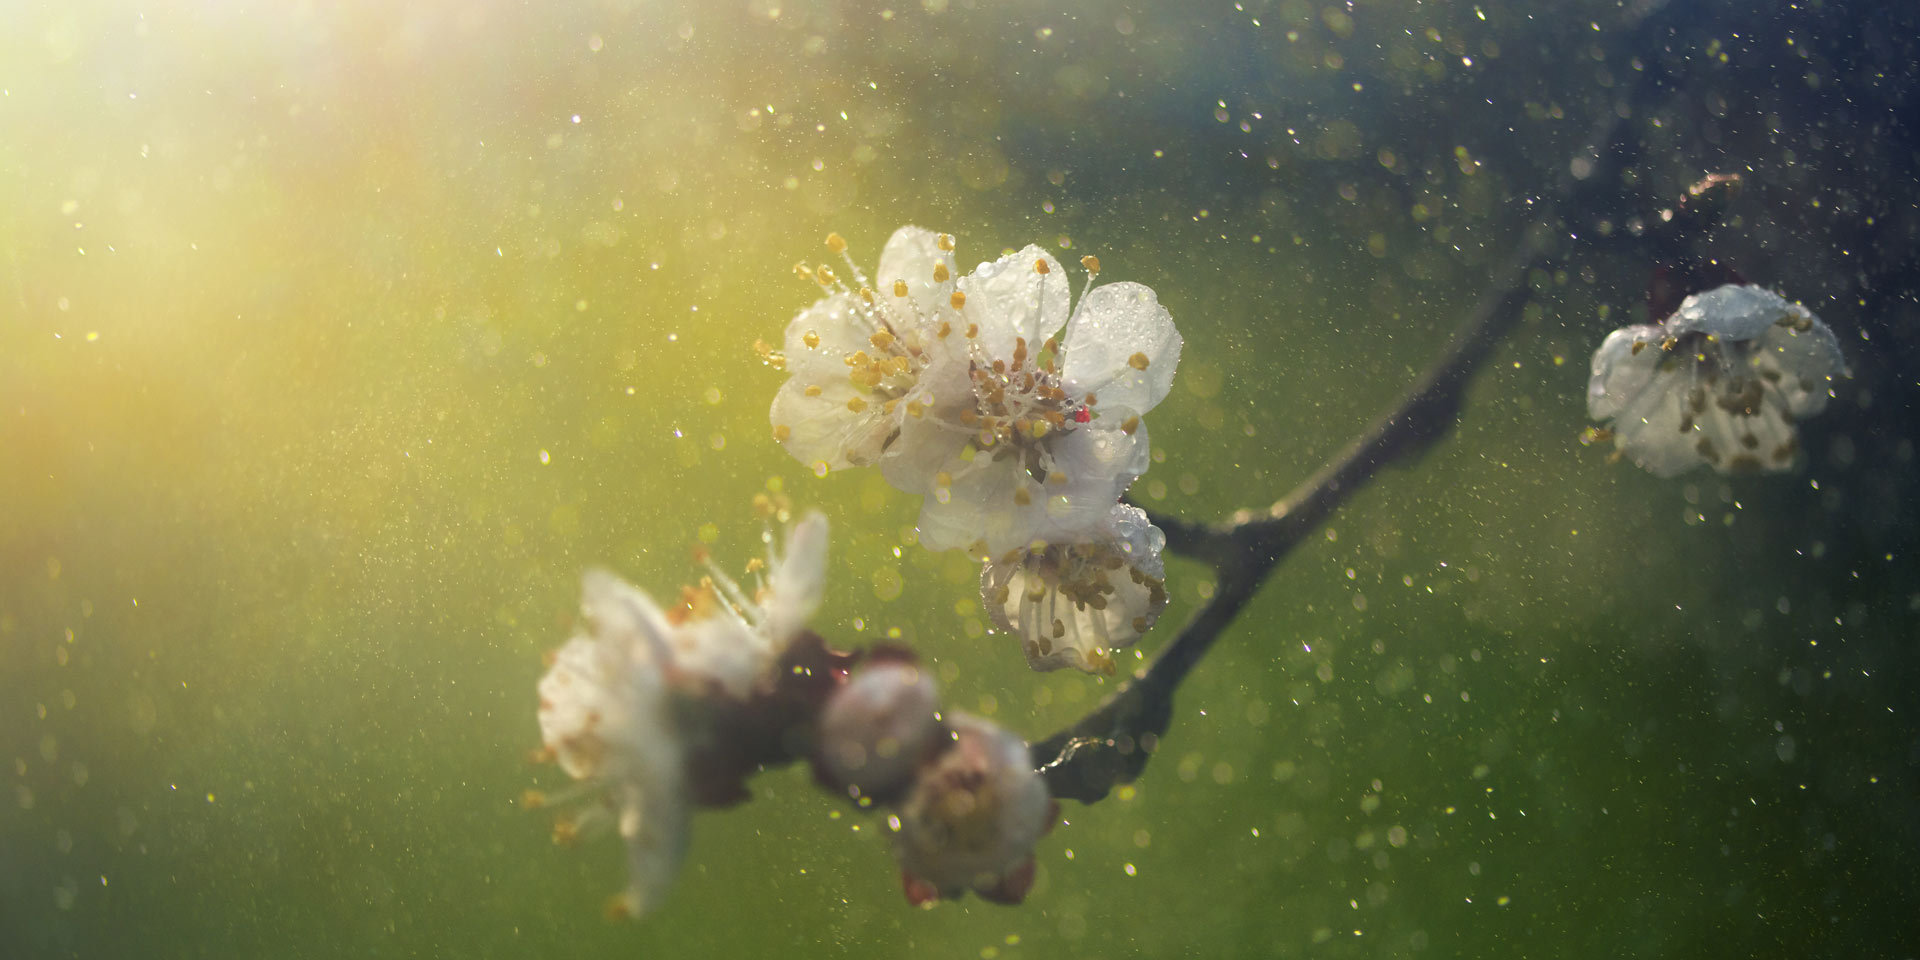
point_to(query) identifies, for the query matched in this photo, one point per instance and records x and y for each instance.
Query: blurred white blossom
(616, 701)
(1073, 604)
(1722, 382)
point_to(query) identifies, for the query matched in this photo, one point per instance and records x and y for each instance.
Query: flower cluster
(646, 706)
(658, 710)
(970, 807)
(1721, 382)
(1014, 412)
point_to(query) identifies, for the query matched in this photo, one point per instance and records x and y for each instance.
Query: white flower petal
(796, 581)
(835, 328)
(1009, 298)
(983, 503)
(817, 425)
(1622, 368)
(1138, 539)
(1651, 429)
(913, 254)
(1116, 327)
(980, 506)
(927, 446)
(1107, 459)
(654, 817)
(811, 415)
(721, 651)
(1735, 311)
(1806, 356)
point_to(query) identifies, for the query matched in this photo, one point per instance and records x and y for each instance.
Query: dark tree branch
(1111, 745)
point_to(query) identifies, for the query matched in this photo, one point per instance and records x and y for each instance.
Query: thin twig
(1112, 744)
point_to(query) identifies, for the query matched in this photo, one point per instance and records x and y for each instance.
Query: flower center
(1083, 574)
(1020, 409)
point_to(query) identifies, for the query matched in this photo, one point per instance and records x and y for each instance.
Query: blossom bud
(878, 728)
(972, 818)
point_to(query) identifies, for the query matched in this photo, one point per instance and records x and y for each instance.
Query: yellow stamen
(959, 300)
(813, 390)
(899, 288)
(945, 242)
(811, 339)
(1040, 267)
(1091, 262)
(836, 243)
(940, 273)
(1138, 361)
(856, 404)
(823, 275)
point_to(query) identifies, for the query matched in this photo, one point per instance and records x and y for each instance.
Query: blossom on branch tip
(1723, 381)
(1073, 604)
(1048, 433)
(973, 817)
(628, 703)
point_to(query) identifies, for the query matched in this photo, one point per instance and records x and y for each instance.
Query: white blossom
(1073, 604)
(613, 703)
(1722, 382)
(865, 358)
(1048, 434)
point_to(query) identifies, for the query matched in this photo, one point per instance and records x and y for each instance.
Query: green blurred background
(336, 338)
